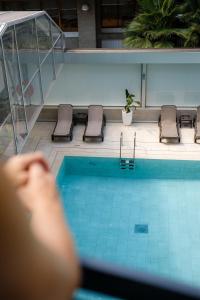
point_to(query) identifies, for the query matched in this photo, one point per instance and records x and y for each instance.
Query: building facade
(87, 24)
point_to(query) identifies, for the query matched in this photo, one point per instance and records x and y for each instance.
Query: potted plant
(127, 112)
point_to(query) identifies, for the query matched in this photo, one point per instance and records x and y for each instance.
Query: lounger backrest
(198, 114)
(65, 112)
(168, 113)
(95, 113)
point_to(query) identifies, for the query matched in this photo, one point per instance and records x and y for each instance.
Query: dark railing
(125, 284)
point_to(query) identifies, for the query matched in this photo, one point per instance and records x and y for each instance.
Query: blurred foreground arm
(38, 259)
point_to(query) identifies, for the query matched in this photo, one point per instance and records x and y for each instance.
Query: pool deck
(147, 143)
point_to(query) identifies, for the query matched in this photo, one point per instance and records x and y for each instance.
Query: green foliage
(130, 101)
(164, 24)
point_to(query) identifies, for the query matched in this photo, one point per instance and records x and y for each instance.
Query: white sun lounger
(169, 130)
(95, 124)
(64, 124)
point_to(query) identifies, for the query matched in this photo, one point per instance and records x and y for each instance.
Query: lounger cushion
(168, 123)
(169, 131)
(197, 129)
(197, 125)
(168, 114)
(64, 123)
(198, 122)
(63, 128)
(94, 129)
(95, 119)
(198, 114)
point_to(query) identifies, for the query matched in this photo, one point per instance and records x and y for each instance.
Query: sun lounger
(64, 124)
(197, 127)
(169, 130)
(95, 124)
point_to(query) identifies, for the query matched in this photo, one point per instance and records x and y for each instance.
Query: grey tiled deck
(147, 145)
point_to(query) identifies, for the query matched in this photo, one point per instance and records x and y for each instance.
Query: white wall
(101, 78)
(84, 84)
(177, 84)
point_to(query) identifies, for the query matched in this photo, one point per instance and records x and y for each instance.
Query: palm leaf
(163, 44)
(137, 42)
(164, 22)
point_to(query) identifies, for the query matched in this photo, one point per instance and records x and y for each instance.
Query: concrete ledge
(113, 114)
(133, 56)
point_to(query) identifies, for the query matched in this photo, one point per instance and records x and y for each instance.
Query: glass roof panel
(8, 18)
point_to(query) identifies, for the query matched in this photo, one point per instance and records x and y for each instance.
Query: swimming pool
(147, 218)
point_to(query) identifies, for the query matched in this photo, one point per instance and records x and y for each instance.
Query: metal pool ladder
(126, 163)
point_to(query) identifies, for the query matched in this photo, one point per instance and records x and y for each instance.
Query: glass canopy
(28, 64)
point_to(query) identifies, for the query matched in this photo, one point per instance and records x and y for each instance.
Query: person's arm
(38, 257)
(47, 222)
(17, 167)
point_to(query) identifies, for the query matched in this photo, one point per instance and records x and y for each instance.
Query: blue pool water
(148, 218)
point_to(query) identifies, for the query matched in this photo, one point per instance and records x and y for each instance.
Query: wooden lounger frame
(169, 138)
(68, 137)
(99, 137)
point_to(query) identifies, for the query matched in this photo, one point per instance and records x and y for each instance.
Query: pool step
(127, 164)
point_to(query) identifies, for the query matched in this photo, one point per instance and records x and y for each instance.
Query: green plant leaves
(130, 101)
(165, 24)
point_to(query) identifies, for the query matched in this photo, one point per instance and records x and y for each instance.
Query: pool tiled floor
(151, 224)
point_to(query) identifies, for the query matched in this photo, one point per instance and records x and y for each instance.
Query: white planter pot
(127, 117)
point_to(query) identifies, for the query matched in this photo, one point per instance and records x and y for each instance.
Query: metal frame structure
(9, 94)
(13, 22)
(20, 78)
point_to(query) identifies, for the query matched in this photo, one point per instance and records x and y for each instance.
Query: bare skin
(37, 255)
(17, 167)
